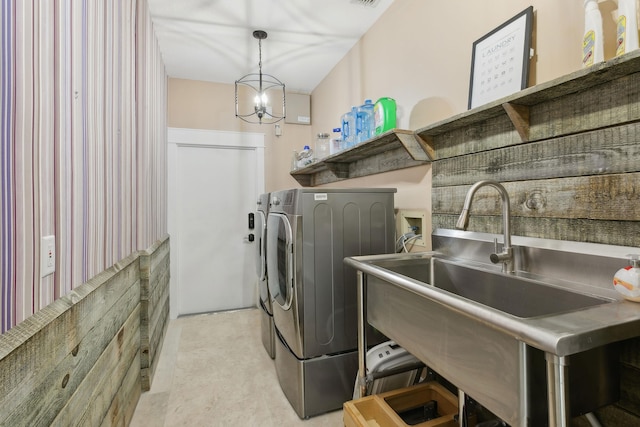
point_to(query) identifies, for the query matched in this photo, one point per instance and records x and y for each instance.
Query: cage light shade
(256, 96)
(253, 92)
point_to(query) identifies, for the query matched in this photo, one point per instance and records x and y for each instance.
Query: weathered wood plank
(412, 145)
(340, 170)
(604, 151)
(555, 114)
(149, 260)
(124, 404)
(519, 116)
(392, 150)
(479, 136)
(155, 347)
(77, 362)
(621, 233)
(38, 403)
(577, 180)
(390, 160)
(103, 383)
(596, 107)
(154, 306)
(153, 318)
(31, 370)
(600, 197)
(599, 74)
(426, 142)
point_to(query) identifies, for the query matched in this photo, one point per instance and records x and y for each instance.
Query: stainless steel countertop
(560, 334)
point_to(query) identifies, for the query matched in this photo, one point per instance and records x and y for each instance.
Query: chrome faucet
(506, 256)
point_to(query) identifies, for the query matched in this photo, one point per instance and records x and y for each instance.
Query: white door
(214, 181)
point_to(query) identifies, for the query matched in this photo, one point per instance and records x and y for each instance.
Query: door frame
(182, 138)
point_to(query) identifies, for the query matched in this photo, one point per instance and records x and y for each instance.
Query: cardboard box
(382, 410)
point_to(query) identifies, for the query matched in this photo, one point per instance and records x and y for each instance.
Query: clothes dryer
(314, 301)
(266, 319)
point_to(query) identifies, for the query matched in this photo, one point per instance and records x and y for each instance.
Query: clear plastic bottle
(364, 121)
(349, 128)
(336, 142)
(322, 146)
(627, 28)
(294, 160)
(592, 43)
(305, 158)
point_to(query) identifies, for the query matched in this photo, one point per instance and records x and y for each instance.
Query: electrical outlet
(413, 221)
(47, 255)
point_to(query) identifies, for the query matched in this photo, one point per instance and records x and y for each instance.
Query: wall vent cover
(370, 3)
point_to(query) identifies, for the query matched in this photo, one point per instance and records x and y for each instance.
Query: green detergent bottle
(384, 112)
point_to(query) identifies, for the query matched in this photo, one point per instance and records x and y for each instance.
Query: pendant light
(260, 87)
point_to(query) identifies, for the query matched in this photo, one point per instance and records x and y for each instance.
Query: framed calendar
(500, 60)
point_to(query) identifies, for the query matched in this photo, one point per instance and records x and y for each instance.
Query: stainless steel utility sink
(540, 343)
(518, 296)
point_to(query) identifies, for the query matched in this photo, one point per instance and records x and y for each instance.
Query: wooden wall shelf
(392, 150)
(529, 112)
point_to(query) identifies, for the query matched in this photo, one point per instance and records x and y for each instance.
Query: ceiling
(211, 40)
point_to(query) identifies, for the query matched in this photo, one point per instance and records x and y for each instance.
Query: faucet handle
(495, 256)
(503, 256)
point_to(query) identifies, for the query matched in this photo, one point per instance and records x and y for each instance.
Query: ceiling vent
(369, 3)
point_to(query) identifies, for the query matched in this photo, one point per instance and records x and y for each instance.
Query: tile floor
(214, 371)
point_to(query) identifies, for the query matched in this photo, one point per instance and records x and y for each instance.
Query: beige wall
(204, 105)
(419, 53)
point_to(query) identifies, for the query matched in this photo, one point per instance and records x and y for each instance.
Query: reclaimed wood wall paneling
(155, 307)
(78, 361)
(575, 178)
(45, 372)
(101, 386)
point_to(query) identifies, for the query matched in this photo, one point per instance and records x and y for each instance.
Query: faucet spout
(506, 256)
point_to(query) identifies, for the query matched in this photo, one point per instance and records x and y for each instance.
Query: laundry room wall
(419, 53)
(83, 158)
(83, 144)
(206, 105)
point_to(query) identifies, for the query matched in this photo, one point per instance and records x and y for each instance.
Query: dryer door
(280, 260)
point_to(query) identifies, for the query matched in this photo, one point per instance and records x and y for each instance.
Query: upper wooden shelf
(517, 107)
(392, 150)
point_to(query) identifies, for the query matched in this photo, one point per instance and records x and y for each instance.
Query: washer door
(280, 260)
(261, 234)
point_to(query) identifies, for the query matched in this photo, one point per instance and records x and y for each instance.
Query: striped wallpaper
(82, 143)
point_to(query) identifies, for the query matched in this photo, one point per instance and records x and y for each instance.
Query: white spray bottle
(592, 43)
(627, 28)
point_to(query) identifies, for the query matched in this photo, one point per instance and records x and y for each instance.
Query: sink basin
(518, 296)
(517, 343)
(469, 323)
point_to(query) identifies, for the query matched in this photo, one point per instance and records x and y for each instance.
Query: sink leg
(362, 333)
(558, 390)
(462, 413)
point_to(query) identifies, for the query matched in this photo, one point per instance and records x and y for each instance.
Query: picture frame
(500, 60)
